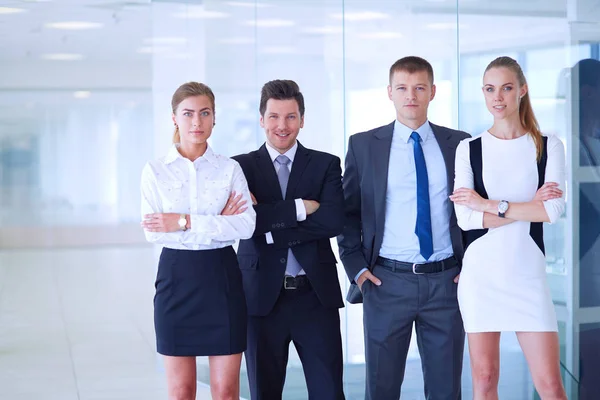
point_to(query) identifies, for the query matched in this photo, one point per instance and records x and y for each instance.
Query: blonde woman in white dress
(508, 182)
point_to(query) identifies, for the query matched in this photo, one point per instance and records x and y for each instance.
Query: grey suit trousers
(389, 311)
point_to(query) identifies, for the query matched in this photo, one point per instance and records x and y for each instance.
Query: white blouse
(174, 184)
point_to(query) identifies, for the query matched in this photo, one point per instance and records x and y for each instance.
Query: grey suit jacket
(365, 186)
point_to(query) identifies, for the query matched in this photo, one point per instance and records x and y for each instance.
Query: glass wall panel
(75, 117)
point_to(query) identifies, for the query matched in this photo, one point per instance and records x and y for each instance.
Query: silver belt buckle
(415, 271)
(289, 286)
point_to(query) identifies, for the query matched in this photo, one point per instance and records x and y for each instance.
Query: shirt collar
(208, 155)
(291, 153)
(403, 132)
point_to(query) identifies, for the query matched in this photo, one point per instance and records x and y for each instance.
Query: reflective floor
(77, 325)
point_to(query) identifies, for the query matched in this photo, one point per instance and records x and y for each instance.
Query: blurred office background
(85, 88)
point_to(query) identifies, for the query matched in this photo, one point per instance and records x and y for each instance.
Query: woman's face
(502, 92)
(195, 118)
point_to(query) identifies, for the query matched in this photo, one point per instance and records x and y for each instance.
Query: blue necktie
(423, 227)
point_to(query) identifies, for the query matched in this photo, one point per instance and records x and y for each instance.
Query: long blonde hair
(526, 114)
(190, 89)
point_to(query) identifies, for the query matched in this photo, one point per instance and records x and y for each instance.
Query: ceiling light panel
(199, 12)
(381, 35)
(82, 94)
(278, 50)
(11, 10)
(237, 40)
(166, 41)
(62, 56)
(74, 25)
(361, 16)
(249, 4)
(323, 30)
(271, 23)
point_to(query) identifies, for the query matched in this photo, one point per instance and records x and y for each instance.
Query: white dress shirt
(174, 184)
(400, 242)
(300, 208)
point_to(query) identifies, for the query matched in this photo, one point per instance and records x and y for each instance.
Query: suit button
(274, 226)
(282, 260)
(290, 243)
(282, 225)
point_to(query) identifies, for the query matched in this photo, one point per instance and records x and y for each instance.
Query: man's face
(282, 123)
(411, 94)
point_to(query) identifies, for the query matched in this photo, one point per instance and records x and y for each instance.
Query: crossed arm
(324, 216)
(475, 212)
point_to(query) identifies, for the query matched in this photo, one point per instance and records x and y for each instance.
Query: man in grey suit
(401, 246)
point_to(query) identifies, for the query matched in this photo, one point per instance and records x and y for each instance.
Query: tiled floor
(77, 324)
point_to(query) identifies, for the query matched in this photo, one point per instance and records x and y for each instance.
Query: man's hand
(367, 275)
(234, 205)
(456, 278)
(311, 206)
(254, 202)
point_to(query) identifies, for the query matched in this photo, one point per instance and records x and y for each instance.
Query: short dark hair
(281, 90)
(412, 64)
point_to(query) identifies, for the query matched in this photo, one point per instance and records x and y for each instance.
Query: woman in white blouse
(196, 203)
(509, 181)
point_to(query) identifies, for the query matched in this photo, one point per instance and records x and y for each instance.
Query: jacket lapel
(267, 172)
(448, 148)
(380, 157)
(301, 160)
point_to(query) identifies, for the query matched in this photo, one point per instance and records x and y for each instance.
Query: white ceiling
(235, 35)
(128, 25)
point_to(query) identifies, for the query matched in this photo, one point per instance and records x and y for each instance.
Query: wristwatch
(502, 208)
(182, 222)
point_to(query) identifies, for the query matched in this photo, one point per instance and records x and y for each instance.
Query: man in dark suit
(401, 245)
(288, 267)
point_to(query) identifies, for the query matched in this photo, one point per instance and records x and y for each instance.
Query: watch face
(503, 206)
(182, 222)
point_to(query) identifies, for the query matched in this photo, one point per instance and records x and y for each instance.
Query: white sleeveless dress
(503, 285)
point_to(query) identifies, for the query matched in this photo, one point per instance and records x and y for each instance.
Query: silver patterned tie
(283, 174)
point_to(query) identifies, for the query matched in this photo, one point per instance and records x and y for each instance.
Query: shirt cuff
(359, 274)
(300, 210)
(478, 219)
(269, 237)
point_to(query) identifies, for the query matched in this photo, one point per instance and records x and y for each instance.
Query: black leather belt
(426, 268)
(291, 282)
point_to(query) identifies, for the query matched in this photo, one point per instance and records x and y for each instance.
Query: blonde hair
(190, 89)
(526, 114)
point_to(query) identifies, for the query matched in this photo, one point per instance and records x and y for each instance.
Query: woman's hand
(161, 222)
(548, 191)
(469, 198)
(234, 205)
